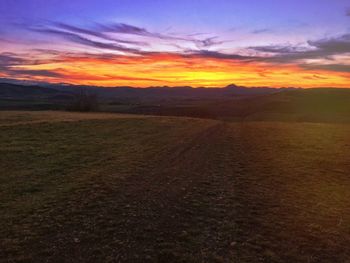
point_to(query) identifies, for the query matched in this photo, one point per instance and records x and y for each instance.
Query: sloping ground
(312, 105)
(174, 190)
(13, 118)
(309, 105)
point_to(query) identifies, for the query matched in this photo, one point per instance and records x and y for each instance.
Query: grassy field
(120, 188)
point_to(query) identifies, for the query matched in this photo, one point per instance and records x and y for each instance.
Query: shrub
(84, 101)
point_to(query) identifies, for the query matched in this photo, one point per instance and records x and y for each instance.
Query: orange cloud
(177, 70)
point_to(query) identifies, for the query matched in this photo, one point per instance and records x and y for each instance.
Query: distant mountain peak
(233, 86)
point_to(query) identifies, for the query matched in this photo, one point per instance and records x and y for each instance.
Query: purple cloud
(87, 42)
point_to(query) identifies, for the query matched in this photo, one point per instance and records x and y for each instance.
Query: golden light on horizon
(177, 70)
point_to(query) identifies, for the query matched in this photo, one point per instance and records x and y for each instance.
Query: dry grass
(8, 118)
(174, 190)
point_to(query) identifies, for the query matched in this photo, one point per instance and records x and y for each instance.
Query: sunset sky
(184, 42)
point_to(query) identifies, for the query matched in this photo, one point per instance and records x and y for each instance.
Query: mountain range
(230, 103)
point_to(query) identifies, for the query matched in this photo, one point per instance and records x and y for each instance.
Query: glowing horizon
(193, 43)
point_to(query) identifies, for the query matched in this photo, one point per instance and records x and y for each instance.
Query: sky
(177, 43)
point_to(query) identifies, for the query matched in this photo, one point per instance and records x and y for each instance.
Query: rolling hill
(233, 102)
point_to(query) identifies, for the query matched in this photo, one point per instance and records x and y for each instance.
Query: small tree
(84, 101)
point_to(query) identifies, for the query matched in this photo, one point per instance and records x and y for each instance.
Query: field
(232, 103)
(124, 188)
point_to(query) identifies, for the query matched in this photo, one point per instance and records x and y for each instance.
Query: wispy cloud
(322, 50)
(10, 64)
(318, 49)
(208, 42)
(122, 28)
(347, 11)
(133, 53)
(8, 59)
(332, 46)
(261, 31)
(76, 38)
(103, 36)
(327, 67)
(36, 73)
(95, 33)
(218, 55)
(277, 49)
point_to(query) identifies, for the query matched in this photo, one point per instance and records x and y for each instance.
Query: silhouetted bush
(84, 101)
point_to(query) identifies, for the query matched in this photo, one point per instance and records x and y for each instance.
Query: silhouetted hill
(21, 97)
(61, 94)
(153, 93)
(233, 102)
(19, 91)
(241, 90)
